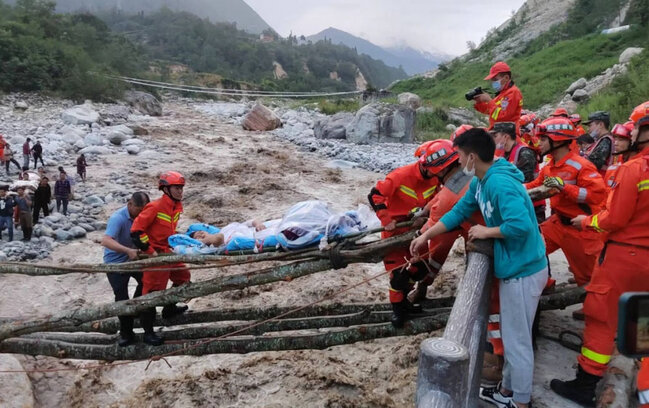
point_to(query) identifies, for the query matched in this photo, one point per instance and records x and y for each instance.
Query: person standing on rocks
(150, 233)
(42, 198)
(507, 105)
(81, 167)
(37, 152)
(119, 248)
(24, 213)
(62, 192)
(7, 204)
(8, 158)
(26, 153)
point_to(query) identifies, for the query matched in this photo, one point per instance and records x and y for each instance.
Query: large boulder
(71, 134)
(629, 53)
(146, 103)
(333, 127)
(132, 149)
(95, 150)
(409, 99)
(580, 95)
(21, 106)
(380, 122)
(80, 115)
(578, 84)
(260, 118)
(117, 136)
(93, 139)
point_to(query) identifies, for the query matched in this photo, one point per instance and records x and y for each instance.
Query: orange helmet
(575, 119)
(171, 178)
(622, 130)
(459, 131)
(639, 112)
(422, 148)
(558, 129)
(560, 112)
(439, 155)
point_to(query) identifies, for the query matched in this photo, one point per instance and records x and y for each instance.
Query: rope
(211, 340)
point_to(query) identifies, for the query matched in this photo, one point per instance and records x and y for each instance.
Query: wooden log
(541, 193)
(441, 378)
(617, 387)
(242, 344)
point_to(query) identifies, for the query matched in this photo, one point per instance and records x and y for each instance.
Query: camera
(473, 93)
(633, 324)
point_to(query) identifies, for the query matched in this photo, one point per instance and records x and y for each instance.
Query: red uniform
(153, 226)
(583, 194)
(394, 199)
(505, 107)
(643, 383)
(623, 263)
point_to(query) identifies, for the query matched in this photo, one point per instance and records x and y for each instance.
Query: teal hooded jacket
(504, 202)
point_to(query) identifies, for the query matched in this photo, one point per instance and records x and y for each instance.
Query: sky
(429, 25)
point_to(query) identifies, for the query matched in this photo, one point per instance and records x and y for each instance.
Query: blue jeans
(9, 223)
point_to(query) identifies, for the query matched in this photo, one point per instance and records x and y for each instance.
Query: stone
(80, 115)
(629, 53)
(80, 145)
(116, 137)
(93, 139)
(71, 134)
(333, 127)
(21, 105)
(146, 103)
(578, 84)
(409, 99)
(132, 149)
(97, 150)
(77, 232)
(41, 230)
(260, 118)
(382, 123)
(466, 116)
(62, 235)
(87, 227)
(73, 208)
(139, 130)
(133, 141)
(15, 389)
(580, 95)
(99, 225)
(3, 258)
(93, 199)
(451, 127)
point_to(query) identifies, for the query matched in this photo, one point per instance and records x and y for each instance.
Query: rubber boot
(580, 390)
(147, 320)
(578, 314)
(126, 335)
(169, 311)
(401, 310)
(419, 293)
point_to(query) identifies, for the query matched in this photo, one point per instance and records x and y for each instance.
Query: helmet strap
(165, 190)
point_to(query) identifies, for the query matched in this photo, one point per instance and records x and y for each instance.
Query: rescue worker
(600, 153)
(150, 232)
(527, 123)
(576, 121)
(403, 193)
(581, 191)
(506, 106)
(560, 113)
(621, 150)
(622, 267)
(521, 156)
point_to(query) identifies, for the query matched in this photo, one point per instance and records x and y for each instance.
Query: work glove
(554, 182)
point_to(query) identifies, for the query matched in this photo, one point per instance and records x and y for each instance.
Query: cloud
(430, 25)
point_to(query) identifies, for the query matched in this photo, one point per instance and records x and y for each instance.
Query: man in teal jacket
(519, 256)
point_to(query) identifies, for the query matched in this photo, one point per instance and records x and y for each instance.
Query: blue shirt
(119, 228)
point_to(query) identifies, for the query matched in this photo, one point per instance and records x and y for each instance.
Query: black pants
(37, 210)
(119, 283)
(14, 162)
(38, 157)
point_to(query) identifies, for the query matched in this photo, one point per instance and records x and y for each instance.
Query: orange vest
(505, 107)
(157, 222)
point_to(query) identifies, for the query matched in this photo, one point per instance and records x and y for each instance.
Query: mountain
(217, 11)
(412, 61)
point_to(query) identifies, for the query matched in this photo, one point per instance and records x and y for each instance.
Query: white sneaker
(493, 396)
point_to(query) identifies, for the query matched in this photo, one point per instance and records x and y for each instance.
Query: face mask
(468, 172)
(496, 86)
(500, 146)
(594, 134)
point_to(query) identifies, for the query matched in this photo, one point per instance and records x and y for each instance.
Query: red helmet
(422, 148)
(171, 178)
(575, 119)
(498, 68)
(560, 112)
(622, 130)
(639, 112)
(557, 128)
(439, 155)
(459, 131)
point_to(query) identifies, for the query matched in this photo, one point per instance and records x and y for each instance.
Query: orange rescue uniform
(153, 226)
(583, 194)
(506, 106)
(622, 265)
(393, 199)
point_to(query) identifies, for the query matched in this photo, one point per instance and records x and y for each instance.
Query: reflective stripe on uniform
(494, 116)
(594, 223)
(176, 217)
(408, 191)
(581, 197)
(643, 185)
(493, 334)
(494, 318)
(643, 396)
(571, 182)
(429, 192)
(595, 356)
(574, 164)
(144, 239)
(164, 217)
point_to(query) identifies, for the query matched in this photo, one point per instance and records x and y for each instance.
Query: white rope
(229, 92)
